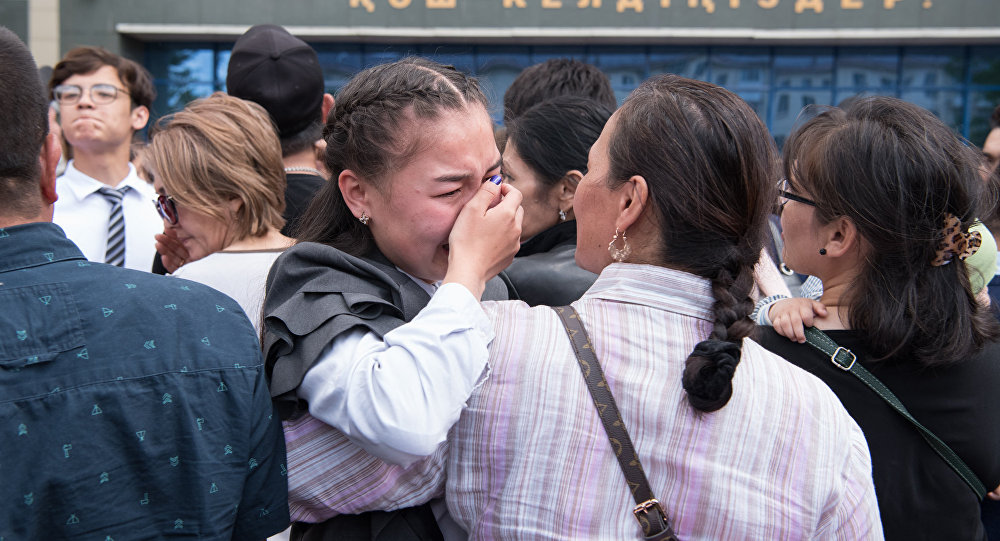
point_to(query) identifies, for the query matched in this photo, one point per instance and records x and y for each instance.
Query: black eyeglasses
(167, 208)
(783, 190)
(101, 94)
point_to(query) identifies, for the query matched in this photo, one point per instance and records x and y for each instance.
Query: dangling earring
(616, 254)
(562, 215)
(822, 251)
(364, 218)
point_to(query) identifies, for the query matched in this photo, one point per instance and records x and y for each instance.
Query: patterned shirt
(132, 406)
(529, 458)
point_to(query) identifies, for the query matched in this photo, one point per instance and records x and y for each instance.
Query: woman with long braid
(735, 442)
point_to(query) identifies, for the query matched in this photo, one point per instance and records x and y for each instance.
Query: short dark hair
(84, 60)
(24, 124)
(556, 77)
(555, 136)
(363, 134)
(896, 171)
(995, 118)
(710, 166)
(297, 142)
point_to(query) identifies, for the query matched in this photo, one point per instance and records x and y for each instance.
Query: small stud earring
(562, 215)
(364, 218)
(822, 251)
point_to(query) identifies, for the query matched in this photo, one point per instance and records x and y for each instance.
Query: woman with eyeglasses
(217, 170)
(879, 205)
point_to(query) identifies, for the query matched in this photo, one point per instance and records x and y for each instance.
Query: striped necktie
(115, 254)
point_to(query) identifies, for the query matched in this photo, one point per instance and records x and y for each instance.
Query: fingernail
(496, 179)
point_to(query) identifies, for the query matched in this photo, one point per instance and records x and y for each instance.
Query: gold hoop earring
(364, 218)
(626, 250)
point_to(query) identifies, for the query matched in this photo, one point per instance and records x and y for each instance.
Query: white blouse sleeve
(398, 396)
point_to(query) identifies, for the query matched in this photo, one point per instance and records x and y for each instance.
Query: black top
(919, 495)
(544, 271)
(299, 191)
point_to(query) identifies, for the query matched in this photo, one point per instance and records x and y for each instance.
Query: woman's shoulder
(326, 266)
(514, 311)
(773, 373)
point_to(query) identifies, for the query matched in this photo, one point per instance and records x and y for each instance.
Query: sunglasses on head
(167, 208)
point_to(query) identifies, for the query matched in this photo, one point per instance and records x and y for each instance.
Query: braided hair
(712, 185)
(364, 133)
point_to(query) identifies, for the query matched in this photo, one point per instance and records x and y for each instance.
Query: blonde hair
(218, 149)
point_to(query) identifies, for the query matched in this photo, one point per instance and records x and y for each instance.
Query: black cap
(280, 72)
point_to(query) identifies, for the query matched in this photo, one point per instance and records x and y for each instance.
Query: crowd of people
(385, 318)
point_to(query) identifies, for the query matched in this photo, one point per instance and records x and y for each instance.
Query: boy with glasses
(103, 205)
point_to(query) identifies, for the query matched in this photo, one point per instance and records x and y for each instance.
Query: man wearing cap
(281, 73)
(134, 406)
(103, 206)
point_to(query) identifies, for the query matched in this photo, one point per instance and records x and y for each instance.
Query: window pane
(867, 68)
(940, 66)
(222, 62)
(810, 68)
(497, 67)
(686, 62)
(383, 54)
(340, 63)
(757, 101)
(945, 104)
(542, 53)
(176, 94)
(847, 93)
(789, 104)
(740, 68)
(626, 67)
(461, 57)
(985, 65)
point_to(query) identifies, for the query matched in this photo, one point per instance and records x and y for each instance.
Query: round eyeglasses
(101, 94)
(167, 208)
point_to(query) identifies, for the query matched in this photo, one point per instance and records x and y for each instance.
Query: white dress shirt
(83, 213)
(397, 396)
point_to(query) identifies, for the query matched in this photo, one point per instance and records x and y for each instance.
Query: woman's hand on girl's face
(485, 237)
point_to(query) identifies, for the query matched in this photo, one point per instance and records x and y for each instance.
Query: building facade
(779, 55)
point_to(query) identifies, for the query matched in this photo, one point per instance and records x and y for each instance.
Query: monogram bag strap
(648, 510)
(845, 359)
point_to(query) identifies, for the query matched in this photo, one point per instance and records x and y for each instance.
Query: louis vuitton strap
(648, 511)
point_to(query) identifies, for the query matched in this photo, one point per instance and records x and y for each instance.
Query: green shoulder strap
(845, 359)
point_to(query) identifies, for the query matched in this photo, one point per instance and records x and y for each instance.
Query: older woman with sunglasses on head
(879, 205)
(217, 170)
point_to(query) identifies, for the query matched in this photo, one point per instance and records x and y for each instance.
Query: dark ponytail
(711, 180)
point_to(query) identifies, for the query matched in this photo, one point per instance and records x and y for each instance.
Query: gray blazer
(316, 292)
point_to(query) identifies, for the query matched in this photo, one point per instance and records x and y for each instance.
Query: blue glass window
(959, 84)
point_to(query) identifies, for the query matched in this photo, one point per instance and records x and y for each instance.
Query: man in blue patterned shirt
(132, 406)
